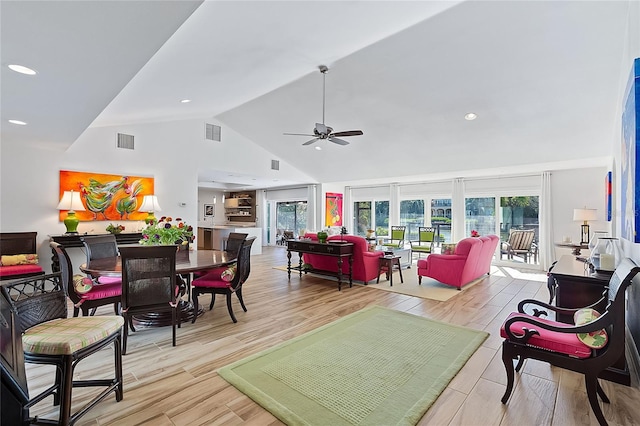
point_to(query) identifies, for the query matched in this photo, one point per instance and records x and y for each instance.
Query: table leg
(351, 271)
(289, 265)
(300, 264)
(339, 273)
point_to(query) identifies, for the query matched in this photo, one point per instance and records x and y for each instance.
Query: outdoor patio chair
(521, 243)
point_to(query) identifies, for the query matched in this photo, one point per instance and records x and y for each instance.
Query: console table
(576, 287)
(339, 250)
(75, 240)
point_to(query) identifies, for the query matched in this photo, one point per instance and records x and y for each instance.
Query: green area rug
(376, 366)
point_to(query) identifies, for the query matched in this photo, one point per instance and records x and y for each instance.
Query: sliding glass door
(291, 216)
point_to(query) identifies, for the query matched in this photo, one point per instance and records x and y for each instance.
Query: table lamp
(71, 202)
(584, 215)
(150, 204)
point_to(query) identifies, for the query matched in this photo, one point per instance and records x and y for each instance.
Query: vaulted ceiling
(543, 77)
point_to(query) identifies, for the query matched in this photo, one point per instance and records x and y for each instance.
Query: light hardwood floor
(167, 385)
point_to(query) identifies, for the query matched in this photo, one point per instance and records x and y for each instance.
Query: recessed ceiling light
(470, 116)
(21, 123)
(185, 101)
(318, 148)
(22, 69)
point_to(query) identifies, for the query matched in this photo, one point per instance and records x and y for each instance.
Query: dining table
(187, 262)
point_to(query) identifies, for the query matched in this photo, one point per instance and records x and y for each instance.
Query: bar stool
(387, 263)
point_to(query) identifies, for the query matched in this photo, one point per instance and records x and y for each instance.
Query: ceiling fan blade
(297, 134)
(314, 140)
(338, 141)
(321, 128)
(348, 133)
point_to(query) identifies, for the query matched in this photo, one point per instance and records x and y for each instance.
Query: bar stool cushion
(68, 335)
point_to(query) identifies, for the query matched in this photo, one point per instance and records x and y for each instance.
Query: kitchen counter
(213, 237)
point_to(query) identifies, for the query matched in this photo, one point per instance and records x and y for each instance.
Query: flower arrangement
(115, 229)
(164, 232)
(475, 233)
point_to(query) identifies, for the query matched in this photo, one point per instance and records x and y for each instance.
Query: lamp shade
(150, 204)
(71, 201)
(584, 215)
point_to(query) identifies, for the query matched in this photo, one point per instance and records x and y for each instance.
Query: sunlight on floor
(503, 271)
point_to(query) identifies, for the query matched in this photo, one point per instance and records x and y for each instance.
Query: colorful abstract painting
(333, 209)
(630, 189)
(608, 195)
(106, 197)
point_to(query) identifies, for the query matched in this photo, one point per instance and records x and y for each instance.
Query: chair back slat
(37, 299)
(234, 241)
(243, 264)
(148, 276)
(100, 246)
(521, 239)
(426, 234)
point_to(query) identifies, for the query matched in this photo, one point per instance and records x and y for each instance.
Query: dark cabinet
(576, 287)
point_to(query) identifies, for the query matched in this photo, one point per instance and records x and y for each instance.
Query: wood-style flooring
(167, 385)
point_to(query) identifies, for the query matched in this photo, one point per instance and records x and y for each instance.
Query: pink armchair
(471, 260)
(365, 263)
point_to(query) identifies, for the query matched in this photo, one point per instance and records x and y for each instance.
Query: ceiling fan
(322, 131)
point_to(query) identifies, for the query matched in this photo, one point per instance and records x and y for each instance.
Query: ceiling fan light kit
(321, 130)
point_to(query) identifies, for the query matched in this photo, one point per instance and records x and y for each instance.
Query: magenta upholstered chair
(215, 282)
(589, 347)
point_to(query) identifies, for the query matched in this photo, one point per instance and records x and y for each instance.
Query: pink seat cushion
(566, 343)
(211, 280)
(103, 291)
(109, 280)
(6, 271)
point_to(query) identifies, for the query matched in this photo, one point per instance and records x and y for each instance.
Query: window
(411, 216)
(361, 217)
(441, 218)
(291, 216)
(480, 215)
(382, 218)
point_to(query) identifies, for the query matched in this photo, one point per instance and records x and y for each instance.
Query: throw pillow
(229, 274)
(448, 249)
(19, 259)
(595, 339)
(82, 284)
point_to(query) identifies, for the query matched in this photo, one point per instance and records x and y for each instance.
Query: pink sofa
(365, 263)
(470, 260)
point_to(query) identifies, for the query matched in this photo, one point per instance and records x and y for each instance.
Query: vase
(322, 237)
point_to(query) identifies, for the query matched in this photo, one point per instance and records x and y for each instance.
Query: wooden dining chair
(588, 347)
(148, 284)
(228, 282)
(86, 297)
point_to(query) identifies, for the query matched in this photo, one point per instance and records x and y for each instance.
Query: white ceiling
(543, 77)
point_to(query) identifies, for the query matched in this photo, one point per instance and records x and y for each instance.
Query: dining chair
(87, 297)
(39, 305)
(99, 247)
(148, 284)
(594, 343)
(233, 244)
(228, 282)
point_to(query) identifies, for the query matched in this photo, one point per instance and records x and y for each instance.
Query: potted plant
(322, 236)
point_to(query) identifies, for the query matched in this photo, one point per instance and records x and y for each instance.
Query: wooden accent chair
(49, 337)
(396, 240)
(426, 237)
(529, 336)
(521, 243)
(223, 283)
(149, 284)
(98, 295)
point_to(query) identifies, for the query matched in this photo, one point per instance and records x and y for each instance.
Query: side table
(387, 263)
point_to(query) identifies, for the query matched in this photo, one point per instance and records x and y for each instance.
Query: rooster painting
(98, 196)
(129, 203)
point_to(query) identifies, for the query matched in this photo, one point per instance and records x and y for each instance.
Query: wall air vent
(125, 141)
(212, 132)
(275, 165)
